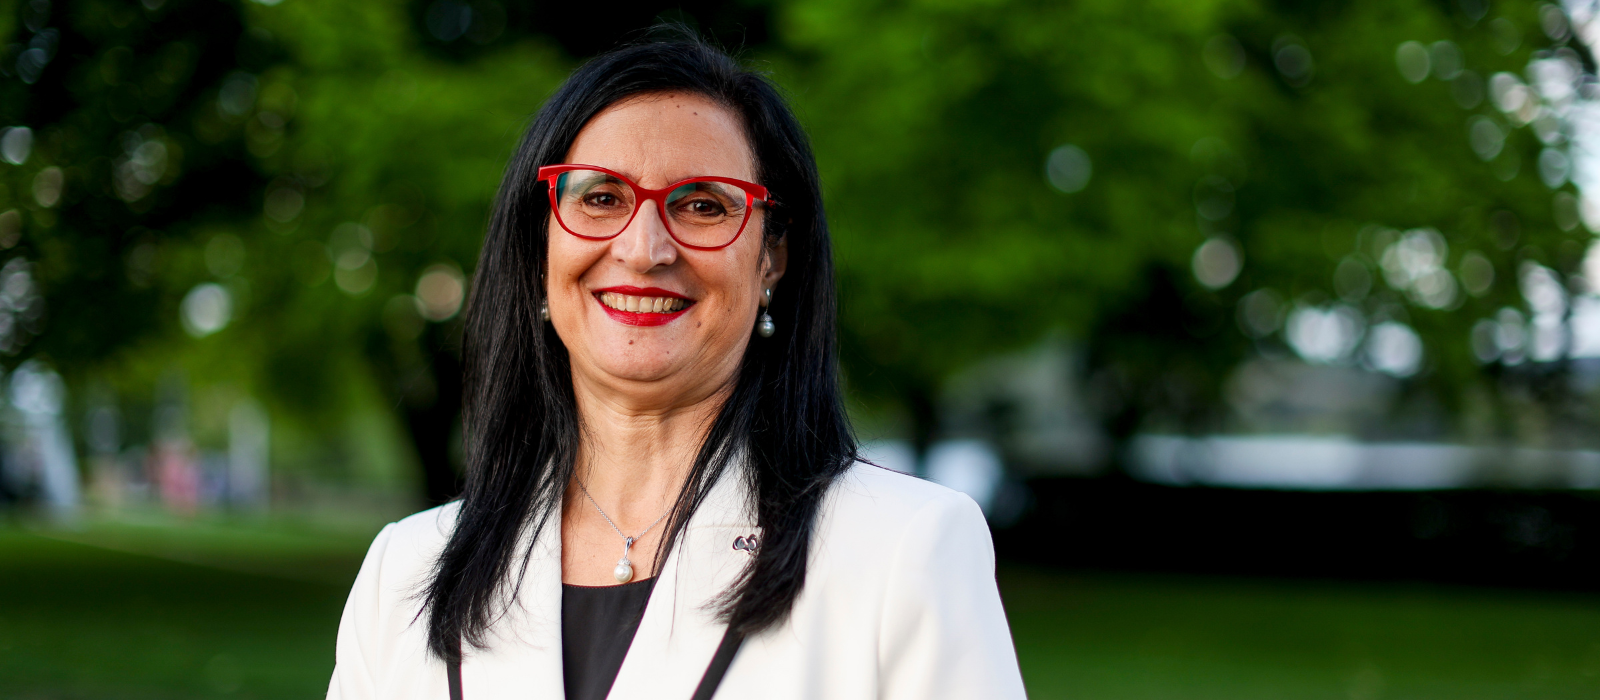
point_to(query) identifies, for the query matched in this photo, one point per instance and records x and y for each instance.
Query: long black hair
(784, 419)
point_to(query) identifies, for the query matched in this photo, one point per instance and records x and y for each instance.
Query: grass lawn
(81, 621)
(1138, 637)
(249, 611)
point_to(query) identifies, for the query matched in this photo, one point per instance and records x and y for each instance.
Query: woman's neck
(633, 458)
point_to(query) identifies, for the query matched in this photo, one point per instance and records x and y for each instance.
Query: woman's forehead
(661, 138)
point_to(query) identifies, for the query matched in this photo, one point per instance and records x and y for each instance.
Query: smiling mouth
(642, 304)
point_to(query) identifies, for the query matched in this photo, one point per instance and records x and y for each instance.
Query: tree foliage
(996, 172)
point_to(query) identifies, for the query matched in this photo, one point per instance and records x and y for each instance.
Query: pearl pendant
(624, 571)
(765, 328)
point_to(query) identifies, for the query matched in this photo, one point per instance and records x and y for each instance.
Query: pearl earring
(764, 326)
(544, 310)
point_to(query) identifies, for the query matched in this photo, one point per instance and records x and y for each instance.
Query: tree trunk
(434, 428)
(924, 411)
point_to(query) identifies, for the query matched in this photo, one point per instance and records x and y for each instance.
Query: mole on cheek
(630, 342)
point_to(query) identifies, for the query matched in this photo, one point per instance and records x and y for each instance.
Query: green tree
(307, 183)
(1285, 133)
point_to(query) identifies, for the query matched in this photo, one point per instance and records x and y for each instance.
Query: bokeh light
(350, 250)
(1486, 137)
(1394, 349)
(1217, 262)
(1446, 60)
(1564, 209)
(1414, 264)
(143, 163)
(1413, 61)
(1068, 168)
(1260, 313)
(237, 96)
(10, 228)
(48, 185)
(1293, 60)
(1553, 167)
(206, 309)
(1477, 273)
(1547, 298)
(1505, 35)
(440, 291)
(21, 306)
(1585, 324)
(16, 143)
(1325, 335)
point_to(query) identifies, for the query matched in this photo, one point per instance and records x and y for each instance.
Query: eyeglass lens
(595, 204)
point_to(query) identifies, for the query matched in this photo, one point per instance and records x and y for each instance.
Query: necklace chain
(613, 524)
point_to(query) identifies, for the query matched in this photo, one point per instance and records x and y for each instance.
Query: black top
(597, 625)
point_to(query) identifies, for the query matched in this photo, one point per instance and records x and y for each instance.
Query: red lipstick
(639, 318)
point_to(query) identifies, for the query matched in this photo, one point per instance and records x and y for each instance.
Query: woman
(651, 374)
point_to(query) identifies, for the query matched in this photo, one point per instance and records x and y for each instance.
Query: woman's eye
(602, 199)
(704, 207)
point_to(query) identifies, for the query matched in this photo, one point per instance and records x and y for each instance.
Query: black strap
(454, 674)
(718, 668)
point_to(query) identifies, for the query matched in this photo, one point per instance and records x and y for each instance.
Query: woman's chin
(643, 361)
(643, 372)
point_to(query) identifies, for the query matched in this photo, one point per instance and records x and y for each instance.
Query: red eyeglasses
(703, 213)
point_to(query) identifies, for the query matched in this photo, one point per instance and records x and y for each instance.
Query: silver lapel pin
(746, 544)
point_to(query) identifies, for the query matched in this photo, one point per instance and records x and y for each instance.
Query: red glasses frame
(752, 193)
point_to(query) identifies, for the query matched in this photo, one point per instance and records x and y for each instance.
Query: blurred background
(1266, 333)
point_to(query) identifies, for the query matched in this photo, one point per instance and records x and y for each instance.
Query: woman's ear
(774, 261)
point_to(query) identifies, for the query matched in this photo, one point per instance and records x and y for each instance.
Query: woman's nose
(645, 244)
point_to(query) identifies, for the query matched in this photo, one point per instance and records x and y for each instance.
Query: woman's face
(664, 358)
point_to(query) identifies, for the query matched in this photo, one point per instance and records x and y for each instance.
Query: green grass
(84, 621)
(209, 609)
(1129, 637)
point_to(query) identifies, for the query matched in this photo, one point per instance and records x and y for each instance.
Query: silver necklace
(624, 570)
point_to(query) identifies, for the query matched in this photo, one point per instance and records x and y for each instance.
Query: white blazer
(900, 603)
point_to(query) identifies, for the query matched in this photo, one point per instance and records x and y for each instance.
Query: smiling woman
(651, 373)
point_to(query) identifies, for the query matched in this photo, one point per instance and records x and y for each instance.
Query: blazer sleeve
(359, 640)
(944, 632)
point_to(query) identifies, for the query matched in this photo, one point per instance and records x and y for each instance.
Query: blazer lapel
(523, 661)
(679, 632)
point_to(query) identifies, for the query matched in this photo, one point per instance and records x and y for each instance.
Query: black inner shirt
(597, 625)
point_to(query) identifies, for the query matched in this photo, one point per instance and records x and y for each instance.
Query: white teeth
(648, 305)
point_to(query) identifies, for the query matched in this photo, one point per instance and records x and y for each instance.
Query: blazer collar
(679, 632)
(677, 635)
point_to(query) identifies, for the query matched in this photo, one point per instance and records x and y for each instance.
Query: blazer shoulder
(433, 524)
(885, 500)
(411, 544)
